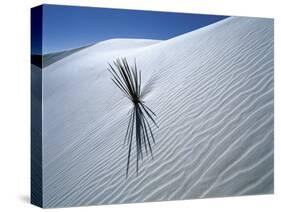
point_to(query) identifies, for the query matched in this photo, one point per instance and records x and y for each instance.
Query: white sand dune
(212, 91)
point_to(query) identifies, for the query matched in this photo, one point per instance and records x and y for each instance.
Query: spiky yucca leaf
(128, 80)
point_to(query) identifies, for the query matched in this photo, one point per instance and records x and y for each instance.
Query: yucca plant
(128, 80)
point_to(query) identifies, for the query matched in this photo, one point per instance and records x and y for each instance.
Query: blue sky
(67, 27)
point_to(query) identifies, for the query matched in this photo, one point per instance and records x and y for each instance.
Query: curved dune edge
(212, 91)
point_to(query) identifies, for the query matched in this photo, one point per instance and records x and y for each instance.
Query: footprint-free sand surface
(212, 91)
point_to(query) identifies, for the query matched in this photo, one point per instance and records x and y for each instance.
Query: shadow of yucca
(128, 80)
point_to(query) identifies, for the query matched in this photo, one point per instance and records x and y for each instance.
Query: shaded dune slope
(50, 58)
(212, 91)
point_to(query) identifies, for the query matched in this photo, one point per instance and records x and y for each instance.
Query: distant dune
(50, 58)
(212, 91)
